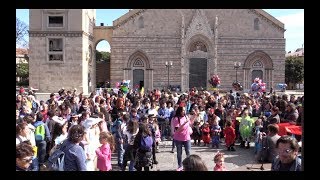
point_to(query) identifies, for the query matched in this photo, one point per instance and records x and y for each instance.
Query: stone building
(198, 42)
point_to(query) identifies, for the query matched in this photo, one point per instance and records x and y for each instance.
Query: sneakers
(172, 151)
(180, 168)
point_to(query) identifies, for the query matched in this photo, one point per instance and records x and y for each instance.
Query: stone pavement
(240, 160)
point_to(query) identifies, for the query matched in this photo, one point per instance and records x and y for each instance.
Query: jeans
(42, 151)
(187, 147)
(35, 164)
(120, 152)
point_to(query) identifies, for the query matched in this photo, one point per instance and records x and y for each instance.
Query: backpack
(146, 143)
(56, 160)
(114, 128)
(40, 132)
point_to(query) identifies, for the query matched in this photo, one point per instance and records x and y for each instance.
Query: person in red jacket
(206, 134)
(230, 136)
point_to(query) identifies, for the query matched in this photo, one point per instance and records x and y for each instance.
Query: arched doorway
(138, 70)
(258, 64)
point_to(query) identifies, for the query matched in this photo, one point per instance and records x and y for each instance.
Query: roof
(21, 51)
(134, 12)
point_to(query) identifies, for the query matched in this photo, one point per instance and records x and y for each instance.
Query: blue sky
(292, 18)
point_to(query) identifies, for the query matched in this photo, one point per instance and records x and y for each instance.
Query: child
(245, 127)
(230, 136)
(219, 160)
(258, 133)
(215, 131)
(196, 135)
(206, 134)
(104, 152)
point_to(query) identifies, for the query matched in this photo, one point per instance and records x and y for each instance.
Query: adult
(288, 159)
(75, 158)
(269, 151)
(182, 132)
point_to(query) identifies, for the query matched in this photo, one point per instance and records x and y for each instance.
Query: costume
(230, 136)
(216, 129)
(217, 167)
(206, 135)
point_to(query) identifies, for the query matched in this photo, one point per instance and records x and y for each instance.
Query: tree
(21, 32)
(22, 70)
(102, 56)
(294, 72)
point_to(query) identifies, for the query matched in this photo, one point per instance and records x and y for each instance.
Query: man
(24, 153)
(288, 159)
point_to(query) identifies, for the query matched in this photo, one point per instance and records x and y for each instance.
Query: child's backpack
(40, 133)
(146, 143)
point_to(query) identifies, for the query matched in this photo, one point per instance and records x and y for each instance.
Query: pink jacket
(104, 157)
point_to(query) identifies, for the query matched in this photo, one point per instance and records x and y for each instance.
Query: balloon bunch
(123, 86)
(282, 87)
(258, 85)
(214, 81)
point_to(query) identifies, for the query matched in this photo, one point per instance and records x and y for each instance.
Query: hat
(88, 123)
(151, 115)
(59, 119)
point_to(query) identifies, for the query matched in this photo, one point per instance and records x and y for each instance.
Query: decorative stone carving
(199, 25)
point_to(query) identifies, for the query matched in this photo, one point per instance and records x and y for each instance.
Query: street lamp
(168, 66)
(236, 66)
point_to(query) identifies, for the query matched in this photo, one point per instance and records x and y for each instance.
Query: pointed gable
(199, 25)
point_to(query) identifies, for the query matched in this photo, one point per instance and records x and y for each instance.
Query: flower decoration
(214, 81)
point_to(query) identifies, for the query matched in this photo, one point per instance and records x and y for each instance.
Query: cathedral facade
(157, 47)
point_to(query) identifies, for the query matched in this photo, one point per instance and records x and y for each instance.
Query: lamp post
(236, 66)
(168, 66)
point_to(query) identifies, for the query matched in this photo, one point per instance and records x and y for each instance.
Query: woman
(75, 158)
(143, 157)
(182, 132)
(131, 130)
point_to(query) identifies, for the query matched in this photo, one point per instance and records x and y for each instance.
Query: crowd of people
(133, 124)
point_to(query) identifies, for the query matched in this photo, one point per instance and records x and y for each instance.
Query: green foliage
(294, 72)
(22, 70)
(102, 56)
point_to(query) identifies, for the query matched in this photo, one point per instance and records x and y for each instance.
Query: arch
(258, 62)
(263, 57)
(141, 56)
(199, 38)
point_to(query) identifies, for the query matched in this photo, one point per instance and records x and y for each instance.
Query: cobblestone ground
(240, 160)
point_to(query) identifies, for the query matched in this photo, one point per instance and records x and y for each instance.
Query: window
(55, 49)
(140, 22)
(256, 24)
(55, 21)
(138, 63)
(55, 44)
(55, 57)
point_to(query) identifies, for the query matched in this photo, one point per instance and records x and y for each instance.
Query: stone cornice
(60, 33)
(128, 16)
